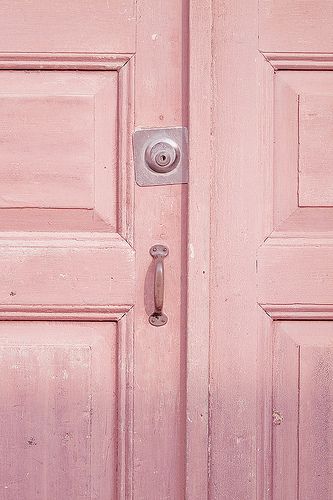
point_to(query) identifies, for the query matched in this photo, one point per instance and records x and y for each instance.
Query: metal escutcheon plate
(160, 156)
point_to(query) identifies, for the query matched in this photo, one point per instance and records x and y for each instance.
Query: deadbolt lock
(160, 156)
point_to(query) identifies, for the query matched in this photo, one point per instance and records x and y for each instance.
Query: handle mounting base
(158, 319)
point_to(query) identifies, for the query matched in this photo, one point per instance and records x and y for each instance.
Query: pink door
(92, 395)
(271, 368)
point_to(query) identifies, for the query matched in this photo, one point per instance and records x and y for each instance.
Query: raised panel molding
(303, 116)
(97, 94)
(299, 182)
(63, 60)
(55, 238)
(55, 312)
(299, 60)
(58, 138)
(294, 264)
(299, 311)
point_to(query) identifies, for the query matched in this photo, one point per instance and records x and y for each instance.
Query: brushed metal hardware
(158, 252)
(161, 156)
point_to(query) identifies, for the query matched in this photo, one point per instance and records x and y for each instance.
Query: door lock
(161, 156)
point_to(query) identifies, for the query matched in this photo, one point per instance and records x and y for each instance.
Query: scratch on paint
(191, 251)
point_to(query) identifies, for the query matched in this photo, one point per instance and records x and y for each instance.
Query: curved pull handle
(158, 252)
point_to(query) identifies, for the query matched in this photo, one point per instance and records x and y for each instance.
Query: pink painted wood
(92, 397)
(198, 264)
(58, 410)
(302, 393)
(161, 217)
(233, 401)
(271, 244)
(67, 258)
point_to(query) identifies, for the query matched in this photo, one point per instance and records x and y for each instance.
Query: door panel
(74, 247)
(294, 271)
(302, 409)
(272, 287)
(58, 410)
(66, 125)
(65, 256)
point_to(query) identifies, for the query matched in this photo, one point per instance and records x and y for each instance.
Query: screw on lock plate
(161, 156)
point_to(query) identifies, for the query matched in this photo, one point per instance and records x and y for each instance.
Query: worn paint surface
(271, 251)
(58, 410)
(86, 411)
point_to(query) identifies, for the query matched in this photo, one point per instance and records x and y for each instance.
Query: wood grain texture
(286, 149)
(58, 411)
(315, 150)
(53, 165)
(125, 394)
(295, 273)
(309, 224)
(198, 268)
(302, 144)
(264, 406)
(90, 26)
(286, 359)
(308, 82)
(66, 161)
(60, 222)
(315, 417)
(271, 154)
(302, 396)
(241, 218)
(66, 225)
(126, 108)
(159, 379)
(295, 25)
(72, 275)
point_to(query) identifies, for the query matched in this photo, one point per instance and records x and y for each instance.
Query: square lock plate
(161, 156)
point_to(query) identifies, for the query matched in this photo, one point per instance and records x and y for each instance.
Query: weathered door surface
(271, 401)
(78, 418)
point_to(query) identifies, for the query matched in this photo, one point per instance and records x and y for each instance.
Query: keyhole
(163, 158)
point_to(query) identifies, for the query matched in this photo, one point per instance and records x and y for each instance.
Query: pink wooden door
(271, 390)
(91, 395)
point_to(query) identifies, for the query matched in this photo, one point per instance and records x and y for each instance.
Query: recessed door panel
(302, 409)
(58, 413)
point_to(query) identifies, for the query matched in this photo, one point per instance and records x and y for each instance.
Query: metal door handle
(158, 252)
